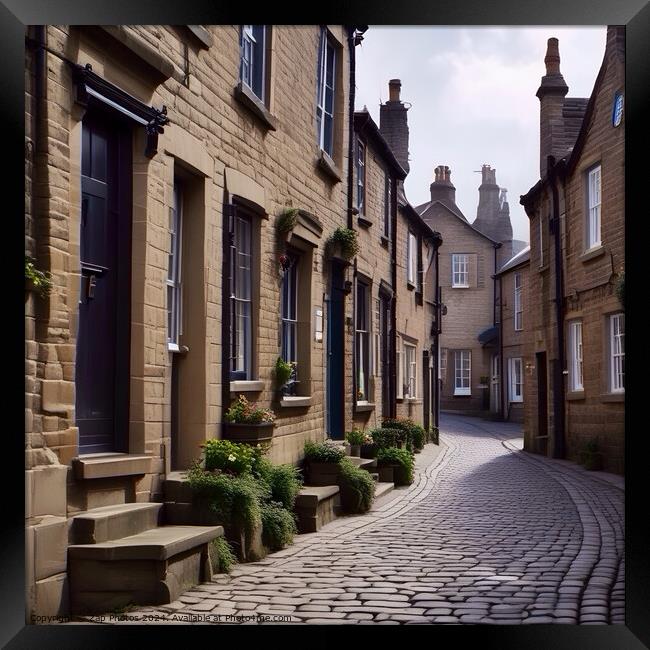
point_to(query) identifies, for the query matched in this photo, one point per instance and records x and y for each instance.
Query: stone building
(468, 261)
(507, 376)
(575, 352)
(416, 281)
(161, 159)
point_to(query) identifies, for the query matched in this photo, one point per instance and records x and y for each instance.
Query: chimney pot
(552, 58)
(394, 86)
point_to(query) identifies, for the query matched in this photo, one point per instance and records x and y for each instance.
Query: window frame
(258, 48)
(245, 373)
(518, 305)
(325, 46)
(541, 241)
(410, 370)
(462, 390)
(594, 208)
(174, 270)
(400, 369)
(576, 356)
(514, 395)
(442, 367)
(411, 258)
(462, 260)
(362, 348)
(613, 383)
(290, 286)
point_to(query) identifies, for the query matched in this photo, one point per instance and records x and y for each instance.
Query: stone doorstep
(316, 506)
(109, 465)
(382, 488)
(363, 463)
(114, 522)
(311, 495)
(155, 544)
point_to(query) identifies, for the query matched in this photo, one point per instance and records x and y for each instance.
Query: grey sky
(473, 100)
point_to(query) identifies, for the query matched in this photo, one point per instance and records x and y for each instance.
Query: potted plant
(285, 374)
(35, 280)
(248, 424)
(287, 220)
(356, 438)
(323, 463)
(343, 243)
(400, 461)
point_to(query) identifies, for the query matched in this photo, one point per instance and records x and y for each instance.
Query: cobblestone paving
(487, 534)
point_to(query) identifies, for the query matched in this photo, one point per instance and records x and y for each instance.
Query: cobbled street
(486, 534)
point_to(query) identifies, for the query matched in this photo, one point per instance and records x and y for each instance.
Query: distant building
(575, 347)
(507, 376)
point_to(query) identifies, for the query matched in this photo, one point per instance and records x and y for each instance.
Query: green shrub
(41, 280)
(403, 460)
(347, 238)
(283, 370)
(357, 488)
(221, 555)
(278, 526)
(322, 453)
(433, 435)
(234, 499)
(415, 434)
(356, 437)
(384, 437)
(285, 482)
(228, 456)
(287, 220)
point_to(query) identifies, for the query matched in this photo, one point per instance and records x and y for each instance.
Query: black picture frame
(635, 14)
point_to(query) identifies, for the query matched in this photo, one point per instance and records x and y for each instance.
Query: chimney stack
(493, 212)
(442, 189)
(551, 94)
(393, 123)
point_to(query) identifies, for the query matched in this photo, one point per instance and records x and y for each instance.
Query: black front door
(335, 357)
(102, 362)
(384, 342)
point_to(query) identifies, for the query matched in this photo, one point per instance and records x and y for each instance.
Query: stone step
(363, 463)
(154, 544)
(375, 476)
(382, 488)
(114, 522)
(316, 506)
(153, 567)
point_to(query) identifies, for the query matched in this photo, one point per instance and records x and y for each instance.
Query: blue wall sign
(617, 112)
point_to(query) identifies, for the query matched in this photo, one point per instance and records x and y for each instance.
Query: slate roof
(520, 258)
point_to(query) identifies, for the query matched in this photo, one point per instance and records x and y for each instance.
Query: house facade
(183, 185)
(575, 351)
(507, 376)
(468, 261)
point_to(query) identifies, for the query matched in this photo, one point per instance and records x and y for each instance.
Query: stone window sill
(245, 386)
(410, 286)
(177, 349)
(364, 221)
(295, 401)
(245, 96)
(612, 397)
(575, 395)
(460, 286)
(384, 241)
(543, 268)
(361, 407)
(111, 464)
(326, 164)
(593, 253)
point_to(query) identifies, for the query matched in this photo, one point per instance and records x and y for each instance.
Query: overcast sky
(473, 100)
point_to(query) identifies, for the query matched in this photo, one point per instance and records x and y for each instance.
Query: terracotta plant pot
(250, 434)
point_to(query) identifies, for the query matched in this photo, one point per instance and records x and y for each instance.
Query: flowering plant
(229, 457)
(357, 437)
(242, 412)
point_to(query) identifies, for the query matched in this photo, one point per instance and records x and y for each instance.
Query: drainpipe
(558, 402)
(436, 337)
(351, 46)
(393, 302)
(502, 395)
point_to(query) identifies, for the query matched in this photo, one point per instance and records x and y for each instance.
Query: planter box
(369, 450)
(323, 473)
(250, 434)
(386, 473)
(355, 450)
